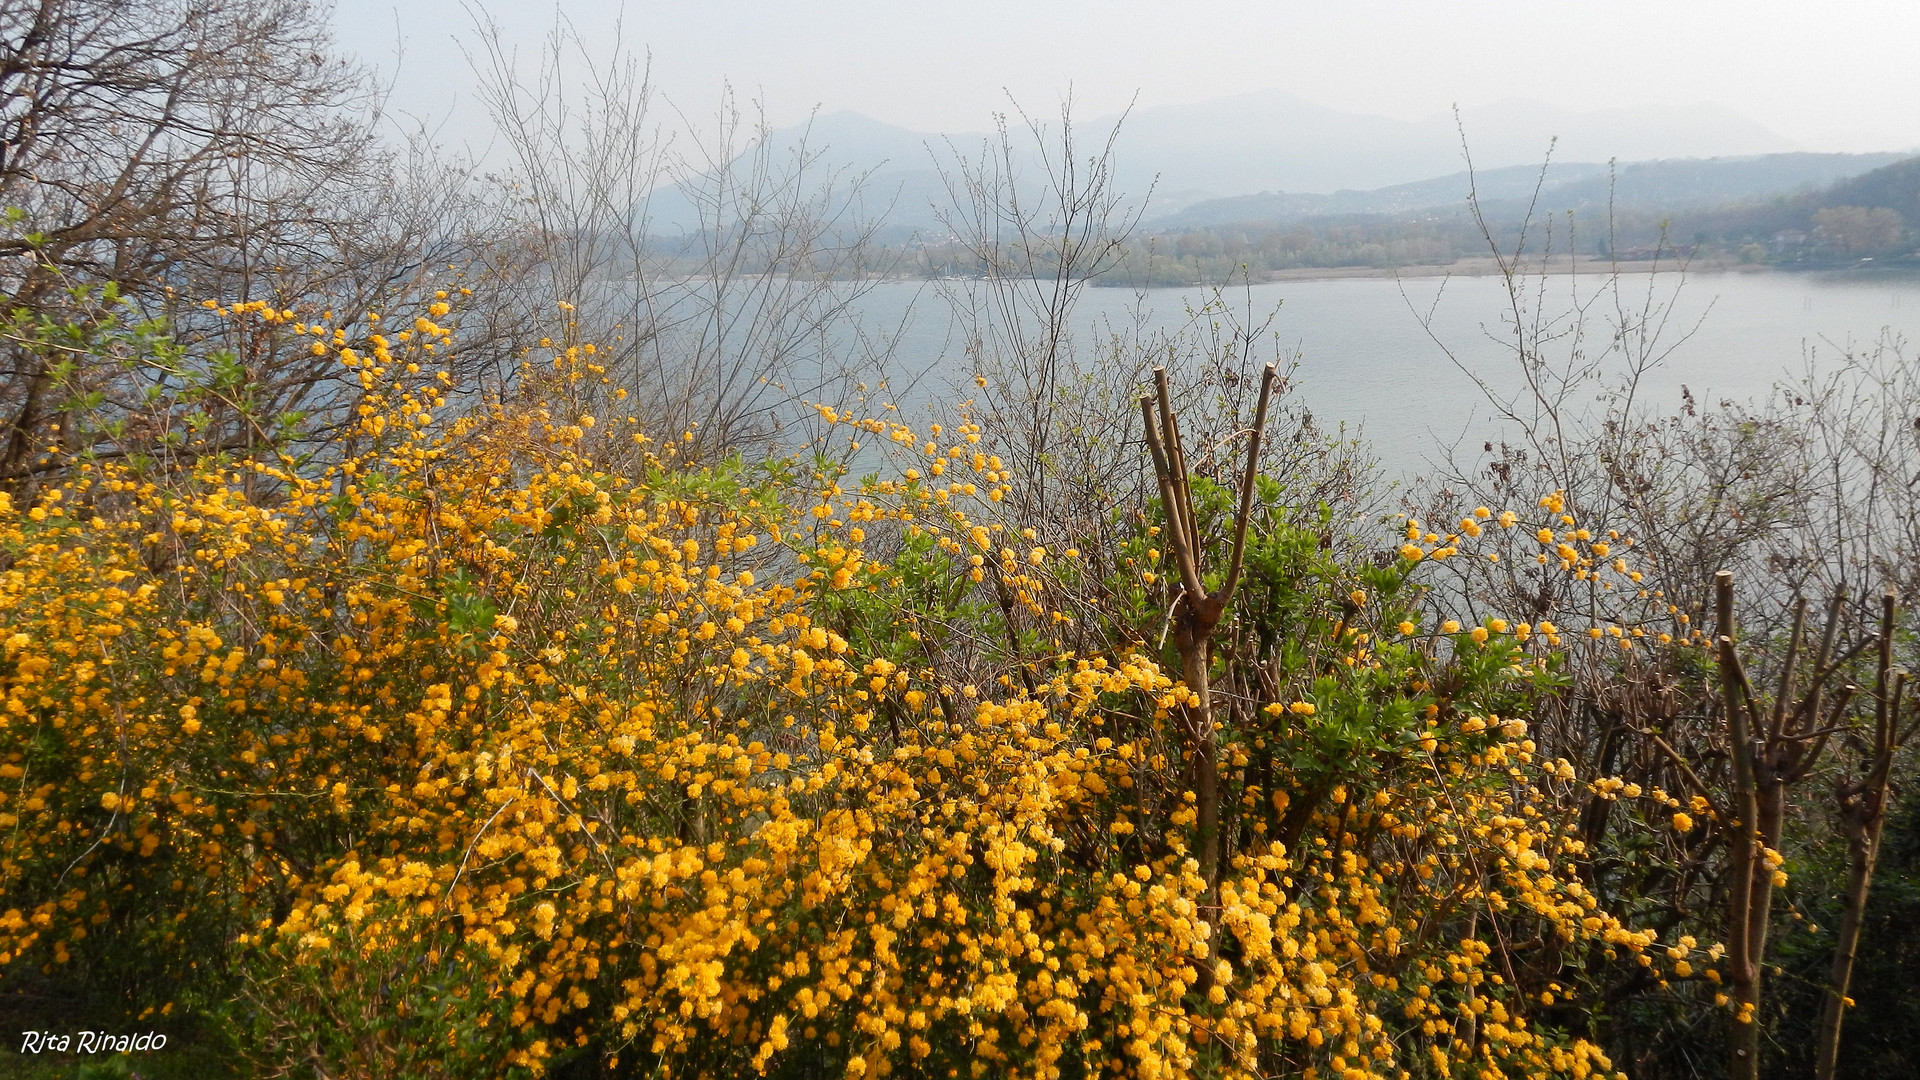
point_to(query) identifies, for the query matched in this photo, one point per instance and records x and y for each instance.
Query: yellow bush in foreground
(462, 754)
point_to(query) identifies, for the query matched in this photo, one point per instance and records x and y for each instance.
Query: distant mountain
(1449, 191)
(1657, 186)
(1201, 162)
(865, 169)
(1275, 141)
(1514, 131)
(1688, 184)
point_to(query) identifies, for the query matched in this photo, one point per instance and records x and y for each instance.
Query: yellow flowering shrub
(462, 753)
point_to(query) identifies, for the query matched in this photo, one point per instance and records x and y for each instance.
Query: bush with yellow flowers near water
(466, 754)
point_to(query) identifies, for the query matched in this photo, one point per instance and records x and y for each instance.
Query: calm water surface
(1366, 361)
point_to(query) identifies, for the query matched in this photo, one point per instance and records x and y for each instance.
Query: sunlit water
(1366, 361)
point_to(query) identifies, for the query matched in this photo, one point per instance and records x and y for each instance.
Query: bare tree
(1035, 246)
(188, 151)
(1197, 611)
(127, 126)
(743, 302)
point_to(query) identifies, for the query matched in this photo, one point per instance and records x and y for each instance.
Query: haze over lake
(1365, 360)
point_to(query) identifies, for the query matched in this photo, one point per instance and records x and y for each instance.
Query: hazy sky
(1829, 76)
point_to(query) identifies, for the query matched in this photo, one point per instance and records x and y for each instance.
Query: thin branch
(1267, 381)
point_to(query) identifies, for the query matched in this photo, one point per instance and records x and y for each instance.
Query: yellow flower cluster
(461, 731)
(1618, 605)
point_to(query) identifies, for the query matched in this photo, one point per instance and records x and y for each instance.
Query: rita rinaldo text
(90, 1042)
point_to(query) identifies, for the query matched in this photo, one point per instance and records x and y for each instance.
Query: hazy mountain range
(1669, 185)
(1274, 157)
(1272, 141)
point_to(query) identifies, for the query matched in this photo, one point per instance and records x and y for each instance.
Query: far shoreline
(1487, 266)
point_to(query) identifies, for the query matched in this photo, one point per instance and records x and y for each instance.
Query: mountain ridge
(1673, 184)
(1271, 156)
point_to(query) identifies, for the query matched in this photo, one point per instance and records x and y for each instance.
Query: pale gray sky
(1829, 76)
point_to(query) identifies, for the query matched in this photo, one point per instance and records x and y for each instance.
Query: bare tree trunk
(1863, 844)
(1203, 743)
(1863, 813)
(25, 424)
(1744, 968)
(1743, 1048)
(1197, 612)
(1771, 749)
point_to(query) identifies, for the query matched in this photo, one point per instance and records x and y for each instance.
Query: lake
(1366, 361)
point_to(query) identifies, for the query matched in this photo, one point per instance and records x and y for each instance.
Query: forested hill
(1873, 215)
(1665, 185)
(1896, 187)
